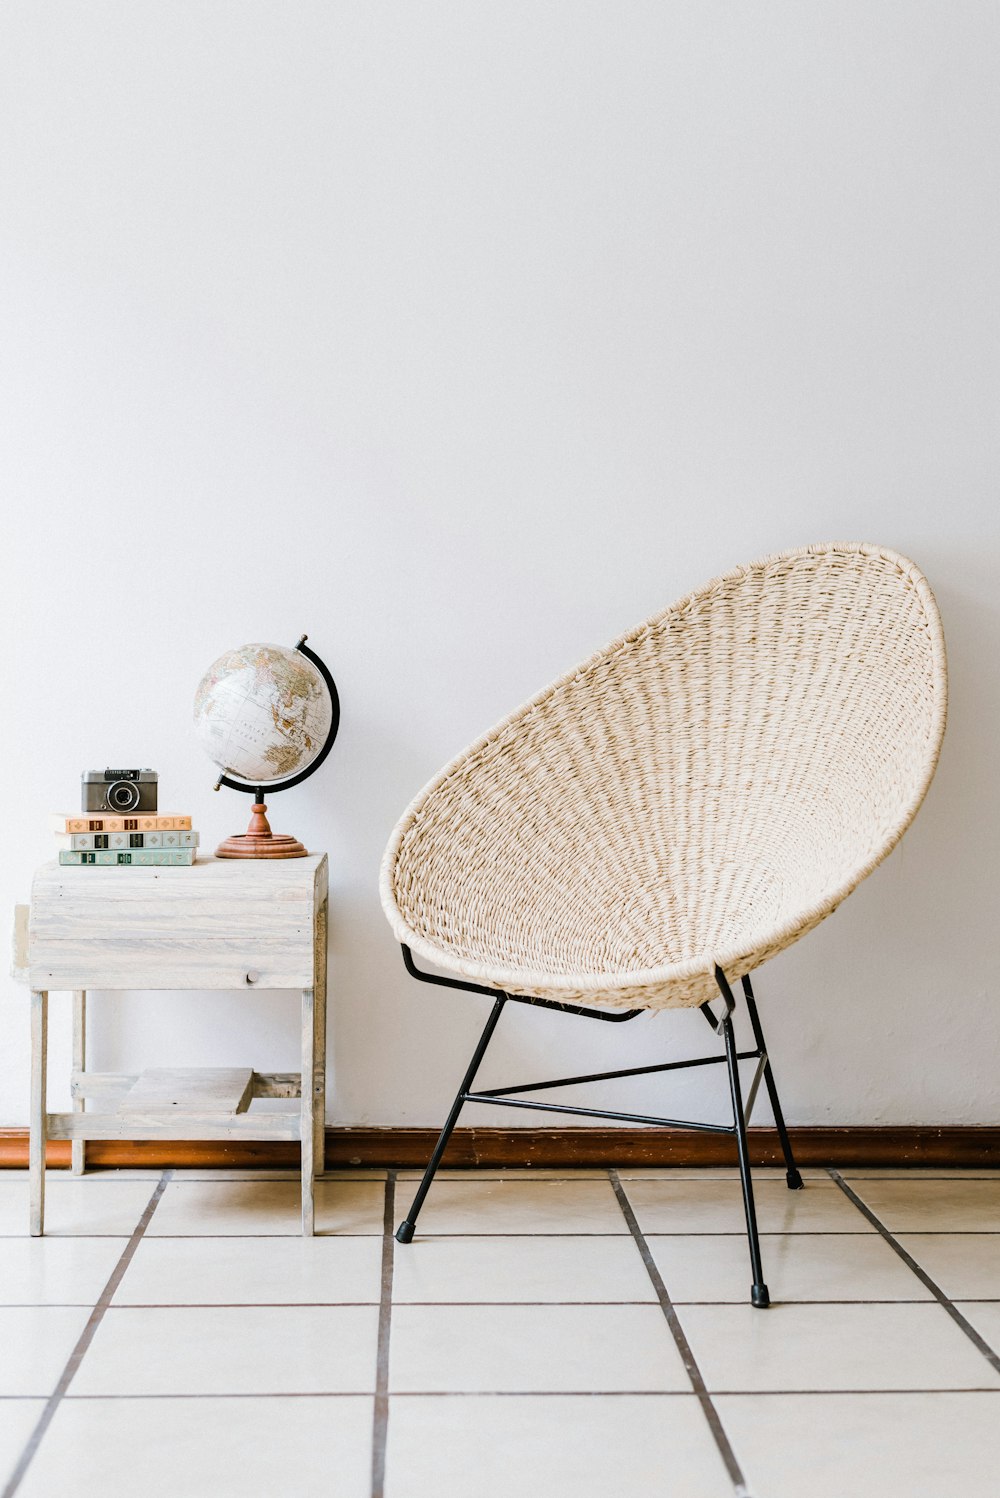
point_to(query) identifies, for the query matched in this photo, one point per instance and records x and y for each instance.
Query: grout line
(960, 1321)
(62, 1237)
(475, 1304)
(620, 1236)
(126, 1176)
(478, 1237)
(708, 1409)
(259, 1305)
(518, 1393)
(672, 1175)
(380, 1421)
(84, 1340)
(293, 1305)
(293, 1233)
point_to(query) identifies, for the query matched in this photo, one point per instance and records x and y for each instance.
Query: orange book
(140, 822)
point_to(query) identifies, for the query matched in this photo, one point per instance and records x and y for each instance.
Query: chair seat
(607, 962)
(701, 793)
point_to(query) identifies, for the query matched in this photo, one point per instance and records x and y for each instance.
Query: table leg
(319, 1055)
(307, 1110)
(79, 1147)
(36, 1146)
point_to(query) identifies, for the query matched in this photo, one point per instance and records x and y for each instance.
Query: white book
(88, 842)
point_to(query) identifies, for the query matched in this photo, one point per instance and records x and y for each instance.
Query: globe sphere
(262, 712)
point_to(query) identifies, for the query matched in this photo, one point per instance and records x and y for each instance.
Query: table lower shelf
(194, 1103)
(186, 1126)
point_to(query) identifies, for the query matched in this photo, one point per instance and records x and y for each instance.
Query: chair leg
(792, 1176)
(405, 1231)
(758, 1292)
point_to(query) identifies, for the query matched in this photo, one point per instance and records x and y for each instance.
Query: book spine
(142, 858)
(89, 842)
(144, 822)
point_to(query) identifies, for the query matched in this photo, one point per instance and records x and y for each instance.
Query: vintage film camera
(122, 791)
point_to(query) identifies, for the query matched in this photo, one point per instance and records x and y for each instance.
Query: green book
(142, 858)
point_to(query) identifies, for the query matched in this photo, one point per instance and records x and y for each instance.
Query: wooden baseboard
(943, 1146)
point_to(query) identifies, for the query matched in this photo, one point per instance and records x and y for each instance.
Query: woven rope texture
(705, 790)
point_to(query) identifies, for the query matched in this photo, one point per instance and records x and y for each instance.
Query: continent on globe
(262, 712)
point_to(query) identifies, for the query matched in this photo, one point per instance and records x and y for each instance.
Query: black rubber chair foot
(405, 1232)
(759, 1297)
(794, 1180)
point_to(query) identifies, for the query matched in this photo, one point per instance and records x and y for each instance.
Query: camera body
(121, 791)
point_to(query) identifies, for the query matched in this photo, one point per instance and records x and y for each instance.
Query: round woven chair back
(702, 792)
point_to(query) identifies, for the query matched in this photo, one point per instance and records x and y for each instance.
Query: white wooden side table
(220, 924)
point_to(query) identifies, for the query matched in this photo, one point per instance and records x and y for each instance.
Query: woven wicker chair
(679, 809)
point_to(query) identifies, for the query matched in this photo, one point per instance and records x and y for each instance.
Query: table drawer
(165, 963)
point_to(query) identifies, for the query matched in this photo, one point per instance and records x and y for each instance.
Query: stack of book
(144, 839)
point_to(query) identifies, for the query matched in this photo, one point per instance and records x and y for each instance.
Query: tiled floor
(570, 1336)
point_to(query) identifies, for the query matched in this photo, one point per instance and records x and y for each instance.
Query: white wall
(463, 336)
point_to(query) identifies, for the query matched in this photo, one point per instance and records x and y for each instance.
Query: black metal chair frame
(741, 1112)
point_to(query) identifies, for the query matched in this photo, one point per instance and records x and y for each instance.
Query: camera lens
(123, 795)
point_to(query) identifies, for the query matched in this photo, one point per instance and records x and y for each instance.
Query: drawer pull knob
(252, 977)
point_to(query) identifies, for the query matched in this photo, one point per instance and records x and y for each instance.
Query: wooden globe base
(259, 841)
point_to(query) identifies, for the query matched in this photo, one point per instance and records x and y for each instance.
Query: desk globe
(268, 717)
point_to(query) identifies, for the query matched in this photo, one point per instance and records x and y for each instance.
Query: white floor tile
(866, 1446)
(124, 1174)
(35, 1342)
(562, 1349)
(220, 1173)
(559, 1446)
(708, 1206)
(933, 1206)
(503, 1206)
(253, 1271)
(18, 1418)
(232, 1350)
(353, 1175)
(985, 1317)
(346, 1205)
(75, 1205)
(520, 1269)
(713, 1173)
(918, 1173)
(525, 1173)
(56, 1271)
(208, 1208)
(797, 1266)
(804, 1347)
(205, 1448)
(966, 1266)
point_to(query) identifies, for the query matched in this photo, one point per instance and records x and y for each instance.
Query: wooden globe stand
(259, 841)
